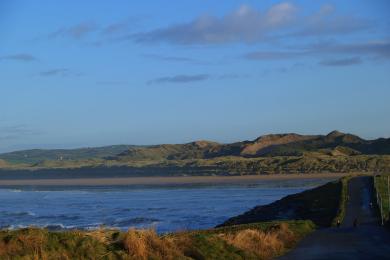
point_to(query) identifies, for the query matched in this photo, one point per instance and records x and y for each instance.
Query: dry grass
(265, 244)
(101, 234)
(253, 241)
(32, 240)
(146, 244)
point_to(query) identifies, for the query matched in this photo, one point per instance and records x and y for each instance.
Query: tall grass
(342, 200)
(253, 241)
(146, 244)
(264, 244)
(381, 188)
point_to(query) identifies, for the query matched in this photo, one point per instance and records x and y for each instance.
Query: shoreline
(245, 179)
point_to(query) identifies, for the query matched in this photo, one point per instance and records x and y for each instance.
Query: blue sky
(92, 73)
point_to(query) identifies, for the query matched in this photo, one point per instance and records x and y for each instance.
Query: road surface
(368, 240)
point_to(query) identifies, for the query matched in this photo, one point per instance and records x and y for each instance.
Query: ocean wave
(92, 226)
(60, 216)
(17, 213)
(10, 190)
(57, 227)
(135, 221)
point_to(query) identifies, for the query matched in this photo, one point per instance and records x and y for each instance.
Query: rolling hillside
(37, 155)
(335, 143)
(268, 154)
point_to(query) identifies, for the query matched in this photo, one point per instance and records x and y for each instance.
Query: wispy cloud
(341, 62)
(273, 55)
(376, 49)
(59, 72)
(196, 78)
(90, 30)
(169, 58)
(250, 25)
(77, 31)
(23, 57)
(245, 24)
(180, 79)
(115, 28)
(327, 22)
(233, 76)
(242, 25)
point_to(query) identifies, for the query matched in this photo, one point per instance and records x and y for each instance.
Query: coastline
(117, 181)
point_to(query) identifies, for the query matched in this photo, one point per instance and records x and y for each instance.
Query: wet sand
(165, 180)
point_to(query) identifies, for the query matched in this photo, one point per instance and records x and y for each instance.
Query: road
(368, 240)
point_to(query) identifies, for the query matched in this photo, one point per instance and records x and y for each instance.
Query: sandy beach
(164, 180)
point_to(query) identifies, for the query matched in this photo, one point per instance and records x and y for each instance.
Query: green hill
(37, 155)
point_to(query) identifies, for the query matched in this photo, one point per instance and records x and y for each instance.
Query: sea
(163, 208)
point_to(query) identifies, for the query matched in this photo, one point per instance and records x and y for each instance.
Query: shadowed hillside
(320, 205)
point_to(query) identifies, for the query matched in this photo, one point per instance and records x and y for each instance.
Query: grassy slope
(343, 199)
(38, 155)
(322, 205)
(254, 241)
(381, 188)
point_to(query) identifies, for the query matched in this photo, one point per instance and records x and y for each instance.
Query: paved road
(367, 241)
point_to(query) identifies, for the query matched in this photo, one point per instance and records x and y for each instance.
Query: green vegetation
(269, 154)
(38, 155)
(342, 200)
(253, 241)
(381, 186)
(321, 205)
(228, 165)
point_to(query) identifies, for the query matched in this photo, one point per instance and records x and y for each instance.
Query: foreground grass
(343, 199)
(322, 205)
(251, 241)
(381, 183)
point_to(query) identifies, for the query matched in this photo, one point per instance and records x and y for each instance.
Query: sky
(93, 73)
